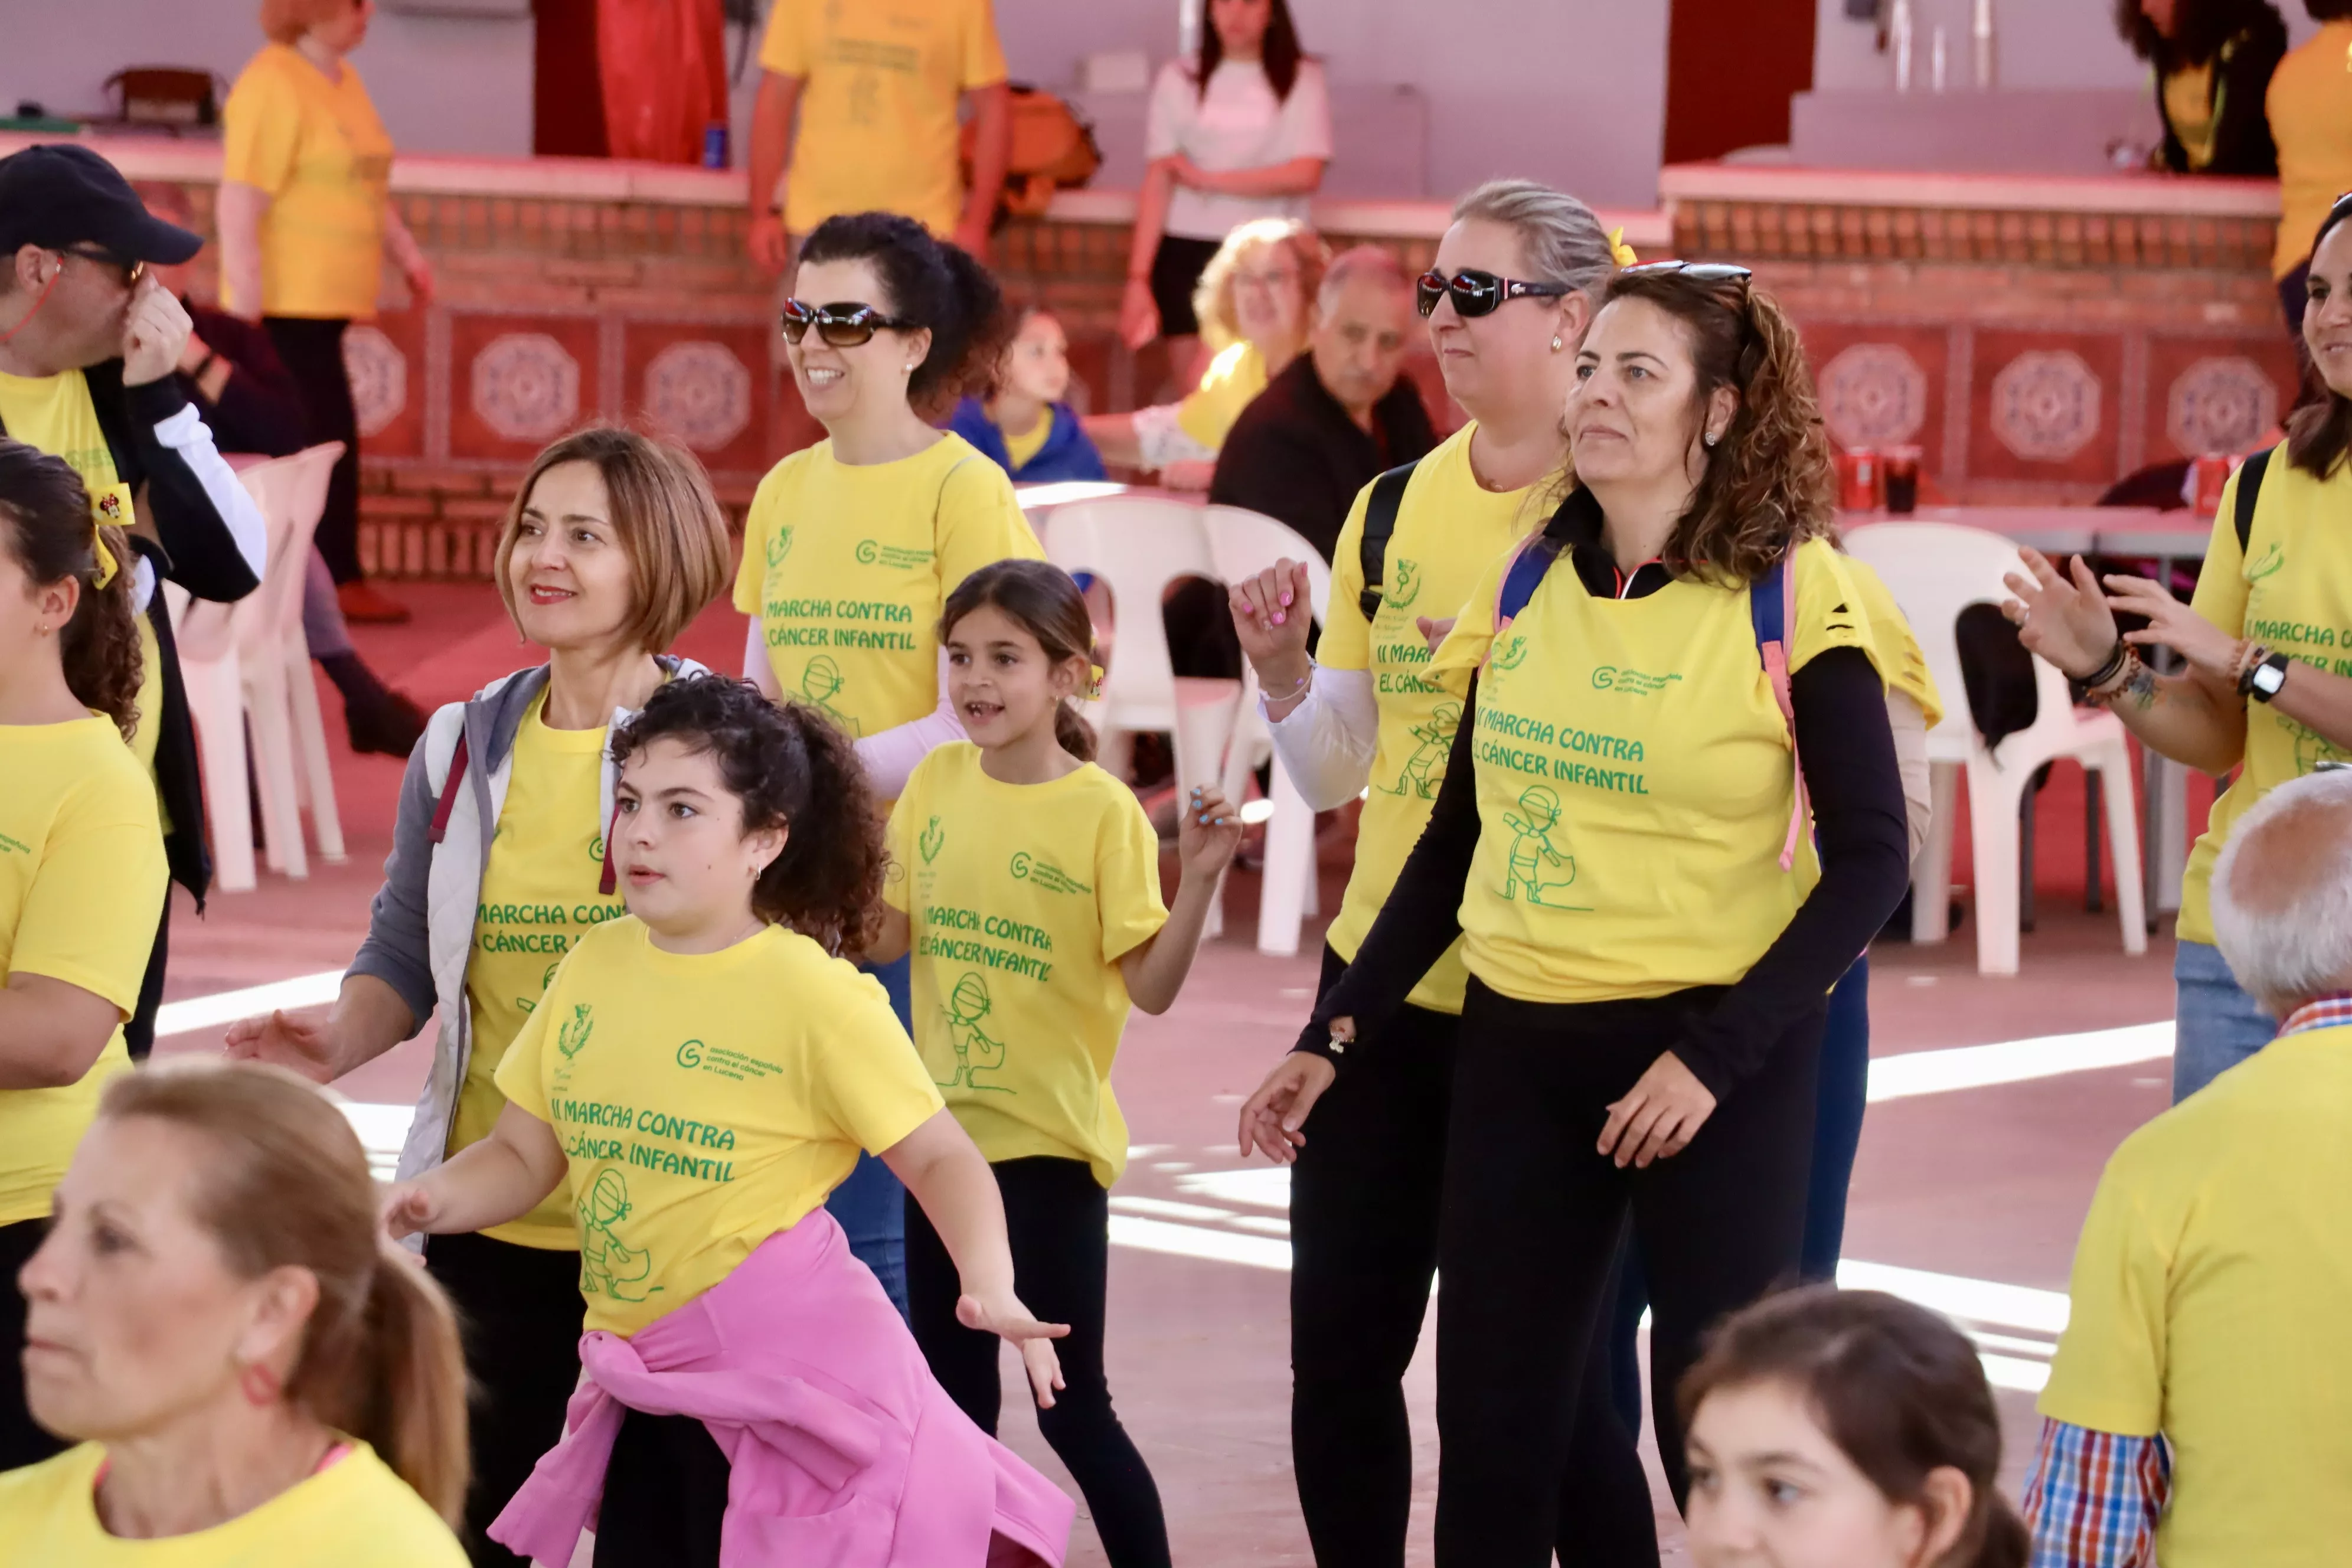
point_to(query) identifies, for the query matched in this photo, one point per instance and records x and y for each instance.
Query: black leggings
(1059, 1220)
(519, 1308)
(665, 1495)
(313, 353)
(22, 1442)
(1533, 1221)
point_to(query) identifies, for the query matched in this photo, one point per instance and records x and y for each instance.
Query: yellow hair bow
(1619, 251)
(1094, 681)
(107, 565)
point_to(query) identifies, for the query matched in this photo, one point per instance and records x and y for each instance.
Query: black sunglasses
(841, 325)
(1477, 293)
(1696, 271)
(132, 271)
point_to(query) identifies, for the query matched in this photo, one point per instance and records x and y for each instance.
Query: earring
(1711, 439)
(1555, 342)
(260, 1384)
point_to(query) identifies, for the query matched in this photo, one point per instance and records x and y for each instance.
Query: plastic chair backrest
(1137, 546)
(292, 495)
(1245, 543)
(1936, 570)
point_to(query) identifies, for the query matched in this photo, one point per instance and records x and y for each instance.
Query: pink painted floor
(1988, 1184)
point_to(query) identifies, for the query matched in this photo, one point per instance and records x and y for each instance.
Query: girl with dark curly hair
(1671, 818)
(2213, 61)
(81, 858)
(699, 1075)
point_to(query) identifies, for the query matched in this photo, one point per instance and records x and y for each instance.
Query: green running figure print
(821, 682)
(975, 1053)
(1425, 769)
(608, 1266)
(1532, 850)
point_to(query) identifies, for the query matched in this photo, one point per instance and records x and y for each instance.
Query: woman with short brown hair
(249, 1367)
(613, 545)
(1623, 842)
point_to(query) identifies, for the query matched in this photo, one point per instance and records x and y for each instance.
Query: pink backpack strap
(1772, 607)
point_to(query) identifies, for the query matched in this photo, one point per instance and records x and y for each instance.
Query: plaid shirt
(2320, 1012)
(2093, 1499)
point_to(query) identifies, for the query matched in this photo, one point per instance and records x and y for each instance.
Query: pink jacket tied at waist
(846, 1453)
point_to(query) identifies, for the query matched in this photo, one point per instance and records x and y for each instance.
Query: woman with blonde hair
(253, 1375)
(613, 545)
(306, 220)
(1254, 302)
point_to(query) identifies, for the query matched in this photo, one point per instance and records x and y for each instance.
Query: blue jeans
(1837, 1132)
(871, 1206)
(2219, 1025)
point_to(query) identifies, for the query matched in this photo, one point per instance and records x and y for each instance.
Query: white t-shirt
(1237, 125)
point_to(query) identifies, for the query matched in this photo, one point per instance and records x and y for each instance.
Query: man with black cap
(88, 344)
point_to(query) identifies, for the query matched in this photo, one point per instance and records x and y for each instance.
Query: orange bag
(1052, 148)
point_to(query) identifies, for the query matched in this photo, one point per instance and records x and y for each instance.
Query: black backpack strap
(1379, 523)
(2250, 485)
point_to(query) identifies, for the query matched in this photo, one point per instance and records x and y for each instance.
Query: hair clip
(1094, 681)
(107, 565)
(1619, 251)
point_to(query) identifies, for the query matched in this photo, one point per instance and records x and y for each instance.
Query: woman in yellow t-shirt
(1026, 881)
(750, 850)
(1621, 841)
(305, 222)
(81, 856)
(253, 1374)
(2213, 60)
(1253, 300)
(852, 545)
(613, 544)
(2310, 109)
(2264, 686)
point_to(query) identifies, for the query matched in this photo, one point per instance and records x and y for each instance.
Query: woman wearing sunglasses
(1513, 286)
(854, 544)
(1652, 691)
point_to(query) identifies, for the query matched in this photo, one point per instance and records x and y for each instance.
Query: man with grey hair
(2195, 1410)
(1340, 414)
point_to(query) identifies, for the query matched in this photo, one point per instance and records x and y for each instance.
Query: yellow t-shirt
(539, 898)
(316, 150)
(1901, 660)
(1447, 530)
(1019, 450)
(2188, 108)
(355, 1513)
(706, 1101)
(879, 104)
(82, 883)
(847, 567)
(2310, 107)
(2208, 1303)
(1023, 899)
(1634, 782)
(2295, 596)
(1233, 380)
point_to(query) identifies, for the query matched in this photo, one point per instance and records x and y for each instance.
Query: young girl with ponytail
(1835, 1428)
(253, 1374)
(81, 858)
(1026, 881)
(854, 544)
(697, 1076)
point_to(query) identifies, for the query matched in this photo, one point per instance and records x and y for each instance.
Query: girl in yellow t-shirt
(852, 545)
(1624, 844)
(1026, 882)
(253, 1374)
(81, 858)
(702, 1073)
(1255, 302)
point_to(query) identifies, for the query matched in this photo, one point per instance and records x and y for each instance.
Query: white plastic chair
(1936, 570)
(248, 661)
(1245, 543)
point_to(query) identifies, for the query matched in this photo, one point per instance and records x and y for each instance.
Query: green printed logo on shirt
(571, 1037)
(14, 847)
(1510, 653)
(780, 545)
(874, 552)
(975, 1052)
(1629, 682)
(1425, 769)
(1407, 585)
(1027, 868)
(1536, 862)
(2267, 564)
(821, 682)
(934, 838)
(609, 1265)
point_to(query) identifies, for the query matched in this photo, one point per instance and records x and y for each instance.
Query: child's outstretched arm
(501, 1178)
(947, 1174)
(1207, 833)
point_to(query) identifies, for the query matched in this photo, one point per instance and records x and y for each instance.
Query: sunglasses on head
(132, 271)
(1696, 271)
(1476, 293)
(841, 325)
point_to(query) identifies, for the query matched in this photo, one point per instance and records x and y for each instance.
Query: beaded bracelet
(2115, 661)
(2102, 693)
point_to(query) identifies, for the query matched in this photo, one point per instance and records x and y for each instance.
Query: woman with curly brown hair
(82, 860)
(1650, 916)
(2213, 61)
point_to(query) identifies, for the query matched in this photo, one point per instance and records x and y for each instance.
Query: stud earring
(1711, 439)
(1555, 342)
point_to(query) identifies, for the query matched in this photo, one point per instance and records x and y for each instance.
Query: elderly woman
(613, 545)
(305, 222)
(2258, 689)
(253, 1375)
(1253, 302)
(1651, 692)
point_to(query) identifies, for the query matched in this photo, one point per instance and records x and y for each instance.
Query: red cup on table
(1902, 478)
(1858, 478)
(2207, 475)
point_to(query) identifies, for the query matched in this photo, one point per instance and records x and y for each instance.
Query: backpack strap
(2250, 486)
(1772, 608)
(1380, 525)
(449, 801)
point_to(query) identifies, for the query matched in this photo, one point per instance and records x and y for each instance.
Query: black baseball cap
(60, 195)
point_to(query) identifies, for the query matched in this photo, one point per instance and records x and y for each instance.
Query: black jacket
(2242, 81)
(1294, 456)
(195, 547)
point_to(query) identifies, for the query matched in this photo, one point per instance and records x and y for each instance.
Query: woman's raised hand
(295, 1043)
(2173, 625)
(1272, 615)
(1002, 1315)
(2065, 620)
